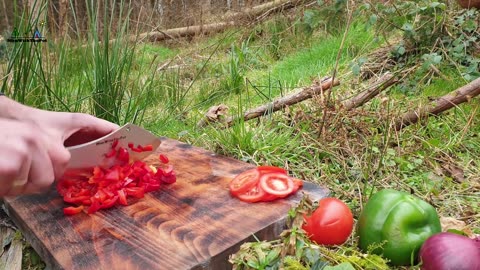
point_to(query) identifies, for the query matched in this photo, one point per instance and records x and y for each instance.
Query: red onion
(449, 251)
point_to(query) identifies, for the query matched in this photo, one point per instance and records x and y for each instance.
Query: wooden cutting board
(192, 224)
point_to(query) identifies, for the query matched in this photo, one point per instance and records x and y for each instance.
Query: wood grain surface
(192, 224)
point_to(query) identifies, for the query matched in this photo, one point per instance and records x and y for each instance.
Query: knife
(91, 154)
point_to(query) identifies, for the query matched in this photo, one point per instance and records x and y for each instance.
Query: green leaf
(356, 69)
(319, 265)
(457, 232)
(434, 142)
(342, 266)
(273, 255)
(299, 249)
(311, 17)
(408, 27)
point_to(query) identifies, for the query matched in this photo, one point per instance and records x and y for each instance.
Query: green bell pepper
(400, 221)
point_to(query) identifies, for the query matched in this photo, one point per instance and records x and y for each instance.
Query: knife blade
(91, 154)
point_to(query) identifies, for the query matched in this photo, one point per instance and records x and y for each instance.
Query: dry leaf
(449, 223)
(454, 171)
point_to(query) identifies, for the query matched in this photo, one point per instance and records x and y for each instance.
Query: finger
(41, 174)
(11, 175)
(59, 156)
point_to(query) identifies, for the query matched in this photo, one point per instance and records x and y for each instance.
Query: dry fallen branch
(278, 104)
(461, 95)
(183, 31)
(263, 9)
(380, 85)
(217, 113)
(250, 14)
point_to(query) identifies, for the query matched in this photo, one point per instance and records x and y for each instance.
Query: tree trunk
(63, 17)
(231, 20)
(461, 95)
(5, 13)
(183, 31)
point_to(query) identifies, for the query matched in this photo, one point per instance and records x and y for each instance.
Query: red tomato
(271, 169)
(297, 184)
(330, 224)
(244, 182)
(277, 184)
(255, 194)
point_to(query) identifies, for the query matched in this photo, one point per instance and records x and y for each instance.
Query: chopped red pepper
(110, 154)
(146, 148)
(122, 197)
(105, 188)
(138, 150)
(163, 158)
(114, 144)
(71, 210)
(123, 154)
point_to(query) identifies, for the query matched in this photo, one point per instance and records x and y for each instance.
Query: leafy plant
(294, 251)
(330, 16)
(111, 65)
(95, 77)
(440, 34)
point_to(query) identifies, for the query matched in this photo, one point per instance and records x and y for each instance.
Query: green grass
(319, 59)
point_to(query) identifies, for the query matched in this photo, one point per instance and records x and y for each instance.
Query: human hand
(71, 128)
(29, 159)
(46, 133)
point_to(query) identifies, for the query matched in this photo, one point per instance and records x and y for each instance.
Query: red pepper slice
(115, 143)
(137, 192)
(110, 154)
(169, 179)
(109, 203)
(149, 187)
(94, 206)
(71, 210)
(69, 198)
(123, 154)
(113, 175)
(146, 148)
(122, 197)
(163, 158)
(104, 188)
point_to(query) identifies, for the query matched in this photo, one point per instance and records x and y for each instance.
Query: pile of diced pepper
(102, 188)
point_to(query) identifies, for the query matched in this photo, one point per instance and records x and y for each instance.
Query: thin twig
(339, 53)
